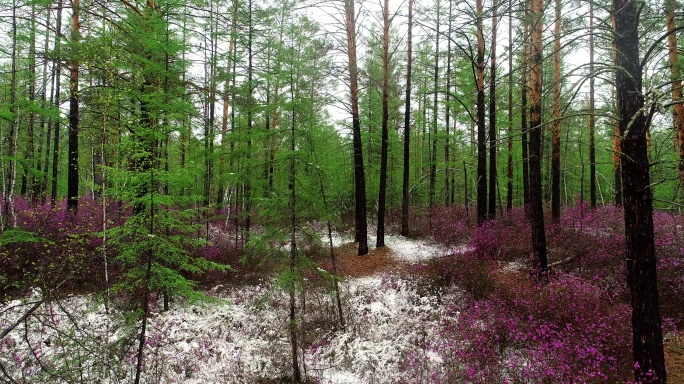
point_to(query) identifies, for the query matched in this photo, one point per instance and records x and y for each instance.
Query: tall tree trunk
(56, 121)
(647, 338)
(72, 169)
(536, 205)
(40, 190)
(481, 132)
(676, 75)
(433, 127)
(556, 134)
(385, 120)
(592, 120)
(29, 163)
(296, 374)
(448, 195)
(359, 177)
(509, 191)
(8, 187)
(617, 139)
(491, 213)
(524, 126)
(210, 109)
(226, 105)
(407, 126)
(250, 112)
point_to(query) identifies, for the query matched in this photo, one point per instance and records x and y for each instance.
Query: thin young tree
(407, 126)
(647, 338)
(361, 235)
(433, 126)
(57, 69)
(385, 120)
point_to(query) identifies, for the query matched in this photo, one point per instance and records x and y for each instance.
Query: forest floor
(394, 329)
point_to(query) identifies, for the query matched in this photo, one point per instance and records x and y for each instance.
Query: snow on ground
(238, 338)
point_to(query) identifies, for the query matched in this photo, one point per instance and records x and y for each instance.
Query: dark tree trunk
(555, 141)
(225, 115)
(385, 117)
(296, 374)
(509, 189)
(617, 140)
(481, 132)
(55, 121)
(491, 213)
(359, 177)
(407, 126)
(72, 169)
(250, 110)
(448, 189)
(524, 112)
(8, 187)
(676, 76)
(536, 205)
(29, 165)
(647, 338)
(592, 121)
(433, 128)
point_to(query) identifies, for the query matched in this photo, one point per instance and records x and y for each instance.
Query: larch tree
(435, 113)
(481, 130)
(536, 203)
(385, 121)
(10, 169)
(407, 127)
(509, 139)
(72, 169)
(592, 111)
(676, 76)
(647, 338)
(361, 235)
(524, 125)
(491, 212)
(555, 140)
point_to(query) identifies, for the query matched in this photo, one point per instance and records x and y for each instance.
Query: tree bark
(524, 111)
(555, 140)
(491, 213)
(56, 121)
(385, 118)
(647, 339)
(407, 126)
(448, 195)
(433, 127)
(359, 177)
(676, 75)
(72, 168)
(509, 189)
(8, 187)
(481, 132)
(536, 205)
(592, 121)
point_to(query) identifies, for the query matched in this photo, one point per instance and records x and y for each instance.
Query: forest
(341, 191)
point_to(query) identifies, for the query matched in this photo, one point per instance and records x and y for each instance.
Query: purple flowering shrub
(50, 245)
(566, 331)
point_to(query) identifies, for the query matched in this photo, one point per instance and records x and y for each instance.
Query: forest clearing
(344, 191)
